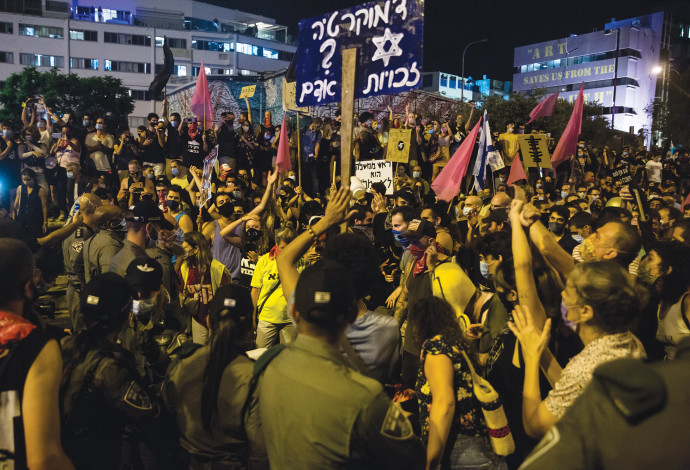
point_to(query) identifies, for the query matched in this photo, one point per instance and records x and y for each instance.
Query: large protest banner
(389, 36)
(375, 171)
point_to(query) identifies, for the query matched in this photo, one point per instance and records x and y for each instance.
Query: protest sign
(289, 103)
(621, 174)
(209, 163)
(247, 91)
(375, 171)
(399, 145)
(389, 35)
(495, 161)
(534, 150)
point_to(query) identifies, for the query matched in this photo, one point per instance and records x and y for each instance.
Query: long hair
(433, 316)
(229, 327)
(197, 240)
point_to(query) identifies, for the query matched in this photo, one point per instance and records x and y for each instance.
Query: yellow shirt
(265, 278)
(510, 146)
(181, 182)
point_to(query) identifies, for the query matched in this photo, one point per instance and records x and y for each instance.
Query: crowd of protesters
(287, 323)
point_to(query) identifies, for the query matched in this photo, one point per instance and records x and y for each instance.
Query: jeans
(267, 333)
(199, 333)
(469, 452)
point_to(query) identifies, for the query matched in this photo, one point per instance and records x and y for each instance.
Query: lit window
(270, 54)
(181, 70)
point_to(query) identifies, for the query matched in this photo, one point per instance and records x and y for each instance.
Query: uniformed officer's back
(316, 410)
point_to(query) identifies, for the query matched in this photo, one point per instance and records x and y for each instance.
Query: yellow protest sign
(248, 91)
(534, 150)
(399, 145)
(290, 97)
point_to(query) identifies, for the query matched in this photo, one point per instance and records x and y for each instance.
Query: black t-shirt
(11, 229)
(264, 136)
(247, 268)
(173, 143)
(193, 150)
(226, 141)
(153, 153)
(14, 368)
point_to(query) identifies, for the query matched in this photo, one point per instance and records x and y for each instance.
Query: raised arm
(270, 182)
(336, 213)
(547, 245)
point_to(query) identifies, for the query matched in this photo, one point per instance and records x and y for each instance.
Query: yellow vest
(217, 270)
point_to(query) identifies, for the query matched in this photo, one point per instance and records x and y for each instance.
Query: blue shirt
(375, 337)
(309, 141)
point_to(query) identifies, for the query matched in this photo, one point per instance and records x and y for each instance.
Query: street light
(657, 70)
(462, 90)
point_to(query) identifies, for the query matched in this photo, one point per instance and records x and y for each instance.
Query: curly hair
(611, 293)
(433, 316)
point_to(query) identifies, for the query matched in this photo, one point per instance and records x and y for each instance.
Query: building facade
(618, 66)
(83, 38)
(451, 86)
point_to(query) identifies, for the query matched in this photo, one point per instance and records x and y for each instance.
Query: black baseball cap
(234, 298)
(146, 273)
(424, 229)
(325, 294)
(106, 301)
(162, 180)
(145, 211)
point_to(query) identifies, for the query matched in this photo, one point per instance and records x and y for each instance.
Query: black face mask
(253, 234)
(173, 205)
(226, 210)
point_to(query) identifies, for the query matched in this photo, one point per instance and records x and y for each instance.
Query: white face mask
(143, 306)
(466, 210)
(416, 174)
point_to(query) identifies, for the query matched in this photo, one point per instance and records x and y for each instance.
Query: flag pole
(299, 153)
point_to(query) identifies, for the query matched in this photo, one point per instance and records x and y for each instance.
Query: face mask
(466, 211)
(237, 194)
(484, 268)
(581, 146)
(368, 123)
(564, 317)
(594, 198)
(564, 194)
(173, 205)
(175, 171)
(556, 228)
(582, 195)
(7, 133)
(85, 123)
(175, 124)
(151, 176)
(99, 127)
(416, 174)
(144, 306)
(41, 125)
(404, 242)
(70, 175)
(226, 210)
(29, 138)
(539, 185)
(253, 234)
(367, 230)
(578, 238)
(245, 128)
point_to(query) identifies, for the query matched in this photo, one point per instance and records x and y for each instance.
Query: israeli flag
(485, 147)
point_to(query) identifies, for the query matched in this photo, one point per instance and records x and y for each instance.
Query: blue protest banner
(389, 35)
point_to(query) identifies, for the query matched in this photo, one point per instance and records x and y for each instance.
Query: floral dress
(468, 419)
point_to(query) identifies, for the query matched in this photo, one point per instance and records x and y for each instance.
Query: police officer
(144, 223)
(208, 387)
(149, 334)
(101, 389)
(309, 392)
(100, 249)
(632, 415)
(72, 246)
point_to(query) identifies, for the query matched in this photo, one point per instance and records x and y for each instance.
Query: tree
(670, 117)
(103, 96)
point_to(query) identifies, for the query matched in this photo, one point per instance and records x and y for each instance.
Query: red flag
(568, 141)
(201, 99)
(447, 183)
(544, 108)
(283, 160)
(517, 172)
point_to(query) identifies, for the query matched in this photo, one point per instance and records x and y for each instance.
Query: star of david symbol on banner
(380, 42)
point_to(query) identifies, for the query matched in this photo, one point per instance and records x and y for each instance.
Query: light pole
(462, 90)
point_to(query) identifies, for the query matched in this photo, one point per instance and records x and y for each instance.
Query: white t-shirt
(654, 171)
(99, 158)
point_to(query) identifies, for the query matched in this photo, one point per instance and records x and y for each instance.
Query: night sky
(452, 24)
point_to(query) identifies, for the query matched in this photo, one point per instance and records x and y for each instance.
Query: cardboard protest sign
(289, 103)
(247, 91)
(399, 145)
(389, 35)
(374, 171)
(209, 163)
(495, 161)
(622, 174)
(534, 149)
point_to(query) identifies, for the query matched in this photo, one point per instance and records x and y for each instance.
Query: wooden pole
(299, 152)
(347, 110)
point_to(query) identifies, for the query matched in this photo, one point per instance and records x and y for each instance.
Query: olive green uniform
(71, 248)
(633, 415)
(317, 412)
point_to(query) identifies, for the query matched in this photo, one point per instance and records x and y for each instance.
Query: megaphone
(357, 187)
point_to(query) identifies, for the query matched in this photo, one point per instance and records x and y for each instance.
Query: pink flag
(568, 141)
(517, 172)
(283, 160)
(201, 99)
(447, 183)
(544, 108)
